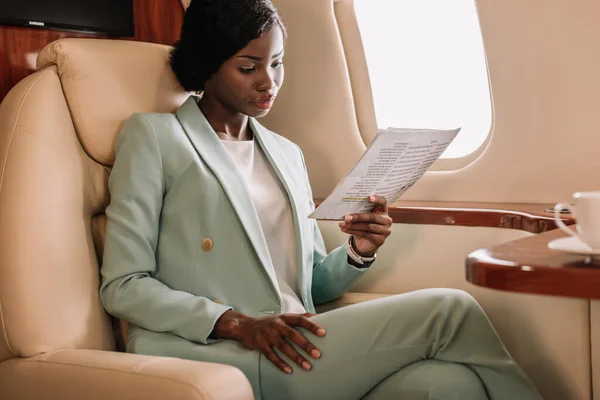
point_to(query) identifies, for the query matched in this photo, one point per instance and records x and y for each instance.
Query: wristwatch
(354, 258)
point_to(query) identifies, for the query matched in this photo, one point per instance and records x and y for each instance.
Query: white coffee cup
(586, 210)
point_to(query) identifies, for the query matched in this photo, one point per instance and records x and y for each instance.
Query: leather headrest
(105, 81)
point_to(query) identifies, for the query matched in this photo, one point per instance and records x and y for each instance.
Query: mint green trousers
(430, 344)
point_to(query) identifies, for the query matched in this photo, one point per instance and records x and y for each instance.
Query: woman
(210, 255)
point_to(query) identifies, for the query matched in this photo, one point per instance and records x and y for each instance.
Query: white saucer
(572, 244)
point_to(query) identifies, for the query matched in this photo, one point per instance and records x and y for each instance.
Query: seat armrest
(348, 299)
(100, 375)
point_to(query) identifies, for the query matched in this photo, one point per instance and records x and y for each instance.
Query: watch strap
(357, 258)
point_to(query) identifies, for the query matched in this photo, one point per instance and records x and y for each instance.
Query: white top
(275, 213)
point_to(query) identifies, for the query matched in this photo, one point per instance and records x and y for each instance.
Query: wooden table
(528, 266)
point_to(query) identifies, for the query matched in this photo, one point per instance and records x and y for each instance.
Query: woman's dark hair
(213, 31)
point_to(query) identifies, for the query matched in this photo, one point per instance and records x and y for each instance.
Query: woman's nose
(266, 82)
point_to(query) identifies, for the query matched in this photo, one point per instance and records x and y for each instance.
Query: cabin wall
(157, 21)
(543, 66)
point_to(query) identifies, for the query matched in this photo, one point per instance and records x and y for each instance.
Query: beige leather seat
(57, 131)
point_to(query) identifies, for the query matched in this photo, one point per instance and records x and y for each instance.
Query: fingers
(380, 202)
(369, 218)
(292, 354)
(367, 227)
(296, 337)
(280, 334)
(300, 320)
(379, 215)
(274, 358)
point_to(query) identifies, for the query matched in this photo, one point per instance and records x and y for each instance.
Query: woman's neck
(228, 124)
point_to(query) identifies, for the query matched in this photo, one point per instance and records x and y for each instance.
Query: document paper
(394, 161)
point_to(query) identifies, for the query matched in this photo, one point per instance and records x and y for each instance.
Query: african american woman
(210, 254)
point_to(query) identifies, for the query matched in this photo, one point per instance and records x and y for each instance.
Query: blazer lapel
(215, 155)
(286, 175)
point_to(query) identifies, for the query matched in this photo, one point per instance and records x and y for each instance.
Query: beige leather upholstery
(57, 131)
(99, 102)
(103, 375)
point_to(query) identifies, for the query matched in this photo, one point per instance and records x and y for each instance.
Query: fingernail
(372, 198)
(348, 218)
(315, 353)
(320, 331)
(342, 224)
(306, 365)
(287, 370)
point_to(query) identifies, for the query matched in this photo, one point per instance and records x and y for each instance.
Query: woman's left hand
(370, 230)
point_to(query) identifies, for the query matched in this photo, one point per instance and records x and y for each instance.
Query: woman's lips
(263, 105)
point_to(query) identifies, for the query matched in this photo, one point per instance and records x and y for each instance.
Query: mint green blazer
(184, 243)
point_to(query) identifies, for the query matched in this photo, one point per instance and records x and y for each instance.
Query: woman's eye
(277, 64)
(246, 70)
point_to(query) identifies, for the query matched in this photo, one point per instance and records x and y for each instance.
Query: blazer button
(207, 244)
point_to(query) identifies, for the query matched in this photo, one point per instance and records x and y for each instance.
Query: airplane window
(427, 67)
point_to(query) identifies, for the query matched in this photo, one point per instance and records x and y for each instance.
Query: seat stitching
(84, 134)
(51, 61)
(2, 171)
(139, 367)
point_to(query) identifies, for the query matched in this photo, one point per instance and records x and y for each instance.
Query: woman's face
(249, 81)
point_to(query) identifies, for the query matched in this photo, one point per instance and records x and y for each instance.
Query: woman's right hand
(266, 333)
